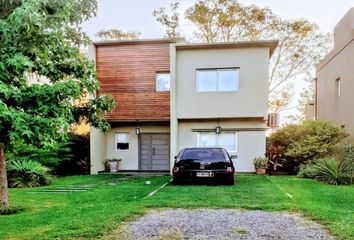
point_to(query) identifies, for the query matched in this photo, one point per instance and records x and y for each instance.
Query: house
(335, 78)
(172, 95)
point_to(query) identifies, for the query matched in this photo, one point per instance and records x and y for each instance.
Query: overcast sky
(136, 15)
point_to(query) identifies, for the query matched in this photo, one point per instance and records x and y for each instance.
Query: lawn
(84, 207)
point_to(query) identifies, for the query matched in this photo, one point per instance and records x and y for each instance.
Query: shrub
(306, 141)
(10, 210)
(275, 156)
(307, 171)
(332, 171)
(260, 162)
(27, 173)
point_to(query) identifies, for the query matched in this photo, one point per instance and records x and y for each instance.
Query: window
(227, 140)
(163, 82)
(337, 94)
(122, 141)
(217, 80)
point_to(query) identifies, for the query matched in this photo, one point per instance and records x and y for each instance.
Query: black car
(204, 164)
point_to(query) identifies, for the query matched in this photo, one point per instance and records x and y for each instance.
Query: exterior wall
(250, 139)
(127, 71)
(130, 158)
(249, 101)
(338, 65)
(97, 150)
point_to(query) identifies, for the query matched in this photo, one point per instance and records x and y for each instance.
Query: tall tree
(169, 20)
(40, 37)
(301, 44)
(117, 34)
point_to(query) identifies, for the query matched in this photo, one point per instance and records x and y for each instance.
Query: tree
(301, 44)
(40, 37)
(170, 22)
(117, 34)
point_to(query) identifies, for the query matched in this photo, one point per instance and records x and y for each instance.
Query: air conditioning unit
(273, 120)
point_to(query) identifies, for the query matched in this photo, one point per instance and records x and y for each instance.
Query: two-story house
(171, 95)
(335, 78)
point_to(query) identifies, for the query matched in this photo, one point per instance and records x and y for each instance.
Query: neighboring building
(335, 78)
(173, 95)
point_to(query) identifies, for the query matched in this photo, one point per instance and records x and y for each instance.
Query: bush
(304, 142)
(27, 173)
(332, 171)
(50, 156)
(79, 159)
(10, 210)
(307, 171)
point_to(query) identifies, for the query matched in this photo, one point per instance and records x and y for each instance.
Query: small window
(337, 94)
(163, 82)
(122, 141)
(217, 80)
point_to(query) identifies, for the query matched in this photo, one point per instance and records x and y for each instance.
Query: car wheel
(176, 181)
(230, 181)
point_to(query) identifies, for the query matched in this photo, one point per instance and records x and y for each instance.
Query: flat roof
(271, 44)
(137, 41)
(181, 45)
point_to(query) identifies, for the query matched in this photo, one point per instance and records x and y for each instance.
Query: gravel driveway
(220, 224)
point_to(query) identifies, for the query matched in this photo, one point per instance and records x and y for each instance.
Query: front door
(154, 151)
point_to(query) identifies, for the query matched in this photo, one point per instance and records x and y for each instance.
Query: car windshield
(203, 155)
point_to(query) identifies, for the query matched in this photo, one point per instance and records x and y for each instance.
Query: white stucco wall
(249, 101)
(130, 158)
(97, 150)
(250, 143)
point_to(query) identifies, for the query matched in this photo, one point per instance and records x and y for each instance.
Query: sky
(136, 15)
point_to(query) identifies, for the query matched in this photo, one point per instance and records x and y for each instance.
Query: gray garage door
(154, 151)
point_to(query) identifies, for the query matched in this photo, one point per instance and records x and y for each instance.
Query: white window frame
(217, 140)
(157, 83)
(116, 141)
(237, 69)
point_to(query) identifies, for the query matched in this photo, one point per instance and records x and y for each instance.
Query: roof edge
(137, 41)
(271, 44)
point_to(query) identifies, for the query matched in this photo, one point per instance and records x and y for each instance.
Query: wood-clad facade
(127, 71)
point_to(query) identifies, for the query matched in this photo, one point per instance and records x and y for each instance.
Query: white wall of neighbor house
(97, 150)
(130, 157)
(335, 78)
(250, 138)
(250, 100)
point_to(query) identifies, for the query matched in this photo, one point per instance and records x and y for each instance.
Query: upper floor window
(163, 82)
(122, 141)
(218, 80)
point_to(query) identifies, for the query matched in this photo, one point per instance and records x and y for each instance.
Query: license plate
(204, 174)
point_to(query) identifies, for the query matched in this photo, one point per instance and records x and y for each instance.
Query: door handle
(153, 151)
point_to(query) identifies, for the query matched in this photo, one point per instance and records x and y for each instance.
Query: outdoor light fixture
(137, 130)
(218, 130)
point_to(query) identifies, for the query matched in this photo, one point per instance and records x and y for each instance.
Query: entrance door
(154, 151)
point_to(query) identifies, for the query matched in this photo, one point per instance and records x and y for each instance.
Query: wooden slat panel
(128, 72)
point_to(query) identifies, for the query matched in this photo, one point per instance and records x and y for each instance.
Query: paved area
(220, 224)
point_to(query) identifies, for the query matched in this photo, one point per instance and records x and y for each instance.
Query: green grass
(110, 200)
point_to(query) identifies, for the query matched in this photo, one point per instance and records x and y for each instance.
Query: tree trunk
(4, 199)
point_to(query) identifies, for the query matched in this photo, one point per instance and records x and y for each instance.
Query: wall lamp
(137, 130)
(218, 130)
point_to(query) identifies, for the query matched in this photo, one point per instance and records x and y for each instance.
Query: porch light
(218, 130)
(137, 130)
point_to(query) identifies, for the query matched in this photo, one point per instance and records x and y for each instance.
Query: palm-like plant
(28, 173)
(332, 171)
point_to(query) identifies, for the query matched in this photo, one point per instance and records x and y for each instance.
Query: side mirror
(233, 156)
(175, 157)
